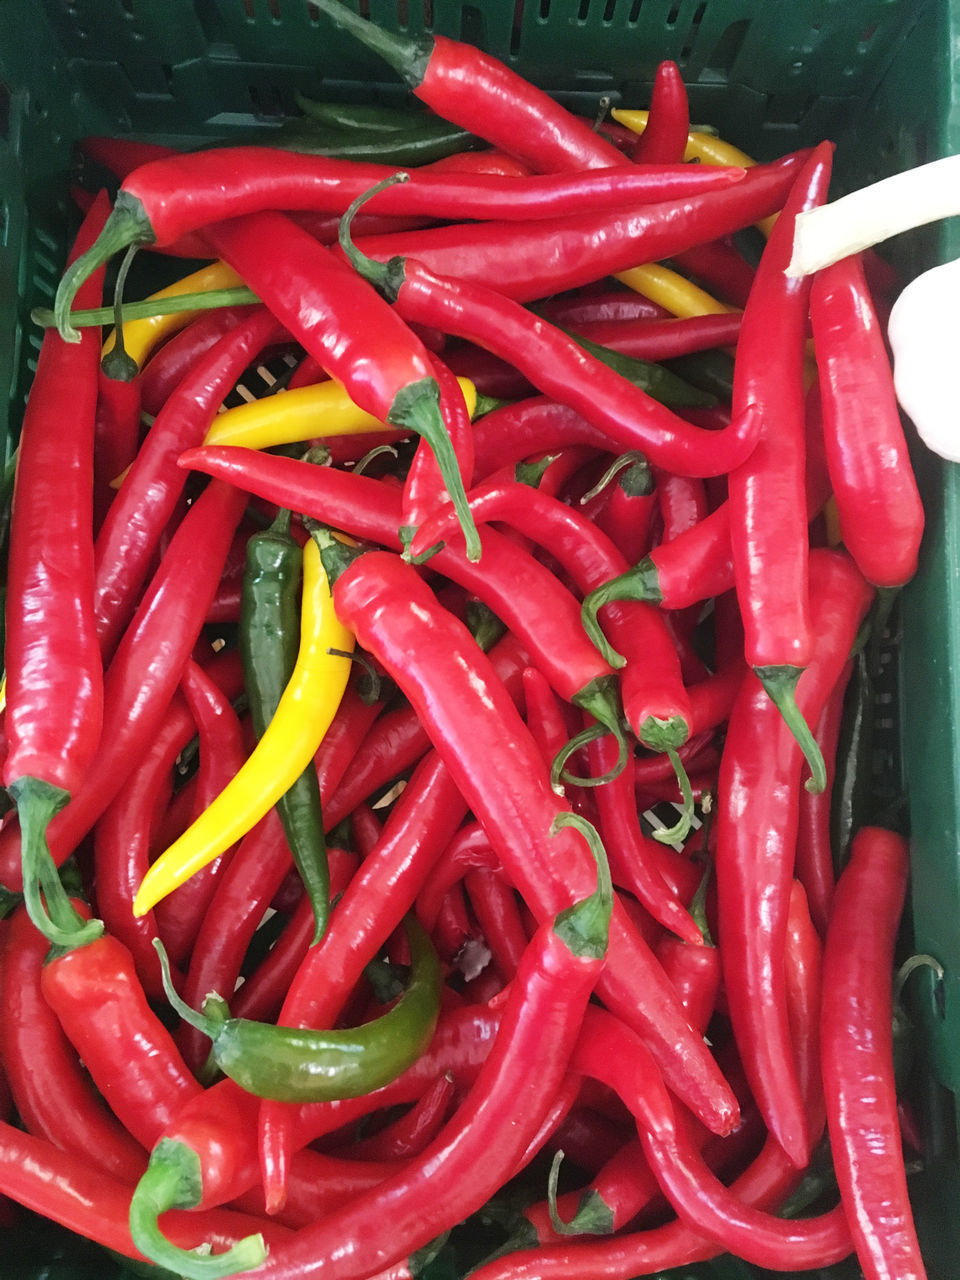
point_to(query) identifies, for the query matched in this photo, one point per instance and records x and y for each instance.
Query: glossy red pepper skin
(542, 1014)
(140, 681)
(768, 520)
(148, 497)
(756, 828)
(470, 719)
(493, 903)
(63, 1187)
(539, 258)
(664, 140)
(720, 267)
(184, 193)
(424, 482)
(857, 1055)
(54, 675)
(53, 1095)
(100, 1002)
(116, 437)
(558, 366)
(171, 363)
(878, 503)
(663, 339)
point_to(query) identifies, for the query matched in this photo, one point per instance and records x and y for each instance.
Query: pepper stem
(386, 277)
(336, 556)
(117, 363)
(48, 903)
(585, 927)
(638, 583)
(666, 736)
(600, 699)
(593, 1216)
(127, 224)
(236, 296)
(408, 57)
(781, 683)
(174, 1180)
(637, 483)
(209, 1025)
(416, 407)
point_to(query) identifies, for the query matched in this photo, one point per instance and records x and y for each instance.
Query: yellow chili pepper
(287, 746)
(141, 336)
(324, 409)
(671, 290)
(704, 147)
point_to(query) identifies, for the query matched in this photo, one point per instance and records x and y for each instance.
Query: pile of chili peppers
(421, 775)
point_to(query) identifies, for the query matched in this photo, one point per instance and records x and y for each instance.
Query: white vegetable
(924, 333)
(910, 199)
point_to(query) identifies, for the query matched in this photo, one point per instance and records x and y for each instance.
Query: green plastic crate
(877, 76)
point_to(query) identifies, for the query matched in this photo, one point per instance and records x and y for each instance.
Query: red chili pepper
(768, 518)
(122, 841)
(657, 340)
(542, 1016)
(262, 993)
(221, 748)
(424, 482)
(477, 91)
(126, 544)
(469, 849)
(629, 510)
(54, 675)
(556, 364)
(721, 268)
(393, 379)
(539, 258)
(574, 309)
(52, 1093)
(100, 1003)
(116, 437)
(63, 1187)
(408, 1135)
(803, 978)
(664, 140)
(494, 905)
(878, 503)
(122, 155)
(448, 680)
(146, 669)
(857, 1055)
(756, 842)
(814, 862)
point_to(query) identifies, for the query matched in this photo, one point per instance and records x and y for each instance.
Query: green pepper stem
(408, 57)
(416, 407)
(209, 1025)
(174, 1180)
(237, 295)
(127, 224)
(585, 927)
(636, 467)
(593, 1216)
(386, 277)
(601, 699)
(780, 683)
(666, 736)
(641, 582)
(335, 556)
(117, 364)
(56, 918)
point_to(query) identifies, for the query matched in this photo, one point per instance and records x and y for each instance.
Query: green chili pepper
(423, 141)
(711, 371)
(269, 640)
(852, 799)
(292, 1064)
(370, 117)
(663, 382)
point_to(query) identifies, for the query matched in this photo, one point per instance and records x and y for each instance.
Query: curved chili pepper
(768, 521)
(167, 199)
(53, 1095)
(53, 671)
(535, 259)
(476, 1150)
(664, 140)
(116, 436)
(721, 268)
(556, 364)
(662, 339)
(307, 707)
(133, 526)
(122, 843)
(878, 503)
(293, 1065)
(408, 1135)
(63, 1187)
(268, 638)
(756, 841)
(98, 998)
(166, 368)
(595, 306)
(449, 681)
(144, 673)
(479, 92)
(398, 387)
(221, 746)
(424, 482)
(857, 1054)
(494, 905)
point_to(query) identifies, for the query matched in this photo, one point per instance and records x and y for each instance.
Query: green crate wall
(876, 75)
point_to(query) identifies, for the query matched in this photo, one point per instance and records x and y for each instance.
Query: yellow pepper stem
(306, 708)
